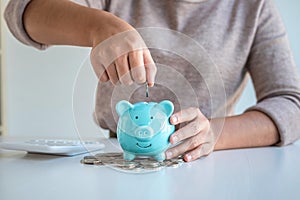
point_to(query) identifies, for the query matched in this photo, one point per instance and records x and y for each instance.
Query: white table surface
(260, 173)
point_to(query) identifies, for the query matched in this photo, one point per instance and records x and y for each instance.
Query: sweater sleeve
(275, 75)
(13, 15)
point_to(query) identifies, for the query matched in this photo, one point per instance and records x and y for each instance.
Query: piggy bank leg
(160, 156)
(128, 156)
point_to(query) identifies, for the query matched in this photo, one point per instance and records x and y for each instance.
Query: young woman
(241, 36)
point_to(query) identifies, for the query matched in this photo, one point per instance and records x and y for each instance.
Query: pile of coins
(138, 165)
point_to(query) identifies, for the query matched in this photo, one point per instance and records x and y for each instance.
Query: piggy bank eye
(151, 117)
(136, 117)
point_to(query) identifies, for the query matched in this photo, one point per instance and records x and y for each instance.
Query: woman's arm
(251, 129)
(67, 23)
(64, 22)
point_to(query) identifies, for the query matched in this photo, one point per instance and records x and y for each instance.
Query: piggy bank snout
(144, 132)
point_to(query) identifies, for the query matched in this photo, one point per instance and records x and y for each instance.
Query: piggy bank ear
(167, 106)
(123, 106)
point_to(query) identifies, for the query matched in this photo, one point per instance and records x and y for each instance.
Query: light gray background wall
(39, 84)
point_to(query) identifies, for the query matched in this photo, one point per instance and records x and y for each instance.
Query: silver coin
(107, 161)
(167, 162)
(88, 159)
(111, 155)
(150, 163)
(147, 89)
(125, 164)
(129, 167)
(98, 162)
(91, 160)
(174, 164)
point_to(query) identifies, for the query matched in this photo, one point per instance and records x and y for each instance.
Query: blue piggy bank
(144, 128)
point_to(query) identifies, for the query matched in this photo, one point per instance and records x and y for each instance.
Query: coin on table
(125, 164)
(108, 158)
(108, 155)
(111, 155)
(150, 163)
(129, 167)
(174, 164)
(88, 160)
(167, 162)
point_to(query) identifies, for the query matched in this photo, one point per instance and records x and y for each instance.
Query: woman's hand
(197, 138)
(120, 55)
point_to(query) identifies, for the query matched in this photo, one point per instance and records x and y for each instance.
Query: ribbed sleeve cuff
(285, 113)
(13, 15)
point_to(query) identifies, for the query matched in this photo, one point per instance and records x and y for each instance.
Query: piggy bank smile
(143, 146)
(144, 128)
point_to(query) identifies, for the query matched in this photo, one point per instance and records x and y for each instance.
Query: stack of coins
(138, 165)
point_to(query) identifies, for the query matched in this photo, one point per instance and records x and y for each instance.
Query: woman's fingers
(150, 67)
(112, 73)
(137, 68)
(195, 136)
(195, 127)
(104, 77)
(202, 150)
(185, 115)
(186, 146)
(123, 72)
(123, 46)
(198, 123)
(99, 69)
